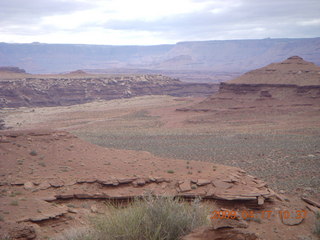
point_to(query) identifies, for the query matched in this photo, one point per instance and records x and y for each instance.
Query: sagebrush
(152, 218)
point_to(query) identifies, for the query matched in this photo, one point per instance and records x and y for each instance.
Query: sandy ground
(285, 140)
(281, 147)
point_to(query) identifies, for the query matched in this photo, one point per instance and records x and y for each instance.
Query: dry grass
(76, 234)
(153, 218)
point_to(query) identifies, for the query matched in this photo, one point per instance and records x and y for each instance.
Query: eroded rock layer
(26, 90)
(72, 168)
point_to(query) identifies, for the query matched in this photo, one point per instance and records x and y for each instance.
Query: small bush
(170, 171)
(14, 194)
(33, 153)
(42, 164)
(76, 234)
(153, 218)
(14, 203)
(70, 205)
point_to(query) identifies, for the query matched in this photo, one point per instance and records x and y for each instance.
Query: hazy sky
(147, 22)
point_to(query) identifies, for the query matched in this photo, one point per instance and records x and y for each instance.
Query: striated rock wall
(68, 90)
(258, 96)
(271, 90)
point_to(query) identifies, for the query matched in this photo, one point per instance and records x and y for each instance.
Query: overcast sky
(149, 22)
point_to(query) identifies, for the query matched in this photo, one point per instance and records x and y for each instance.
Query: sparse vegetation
(75, 234)
(3, 192)
(70, 205)
(42, 164)
(33, 153)
(20, 162)
(153, 218)
(14, 203)
(250, 149)
(170, 171)
(13, 194)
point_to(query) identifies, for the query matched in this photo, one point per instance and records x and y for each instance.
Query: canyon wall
(39, 91)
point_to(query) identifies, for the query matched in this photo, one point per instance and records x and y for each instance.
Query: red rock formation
(293, 82)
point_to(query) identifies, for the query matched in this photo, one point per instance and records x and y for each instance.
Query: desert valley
(72, 143)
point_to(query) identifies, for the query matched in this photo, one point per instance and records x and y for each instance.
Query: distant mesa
(9, 69)
(289, 84)
(77, 72)
(212, 58)
(292, 71)
(295, 58)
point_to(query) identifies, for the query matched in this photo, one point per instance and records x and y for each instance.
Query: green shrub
(152, 218)
(33, 153)
(14, 203)
(76, 234)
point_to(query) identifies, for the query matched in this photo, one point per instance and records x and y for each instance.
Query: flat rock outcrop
(91, 172)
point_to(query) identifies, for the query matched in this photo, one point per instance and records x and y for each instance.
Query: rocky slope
(51, 181)
(291, 83)
(21, 90)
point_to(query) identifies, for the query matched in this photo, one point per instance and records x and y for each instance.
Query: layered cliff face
(293, 82)
(76, 88)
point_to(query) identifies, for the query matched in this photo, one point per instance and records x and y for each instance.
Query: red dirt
(39, 167)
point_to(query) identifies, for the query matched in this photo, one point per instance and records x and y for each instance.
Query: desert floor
(281, 146)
